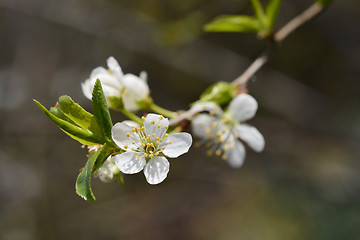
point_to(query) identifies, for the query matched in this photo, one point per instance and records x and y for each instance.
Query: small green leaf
(324, 2)
(83, 181)
(220, 93)
(259, 11)
(105, 153)
(233, 23)
(70, 128)
(272, 10)
(101, 110)
(78, 115)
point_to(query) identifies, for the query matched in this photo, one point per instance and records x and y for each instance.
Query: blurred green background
(305, 185)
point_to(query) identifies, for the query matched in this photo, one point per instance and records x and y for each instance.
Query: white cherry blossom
(221, 131)
(116, 84)
(107, 171)
(147, 147)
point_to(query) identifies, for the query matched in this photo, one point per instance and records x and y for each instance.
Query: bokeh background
(305, 185)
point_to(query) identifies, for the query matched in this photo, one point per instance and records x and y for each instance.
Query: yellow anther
(148, 144)
(219, 132)
(151, 155)
(157, 153)
(153, 135)
(143, 128)
(133, 142)
(133, 130)
(159, 125)
(143, 138)
(207, 130)
(128, 135)
(137, 157)
(148, 136)
(133, 149)
(171, 142)
(161, 117)
(147, 139)
(166, 135)
(163, 148)
(218, 152)
(152, 122)
(224, 157)
(151, 152)
(143, 118)
(145, 155)
(158, 142)
(143, 144)
(166, 127)
(209, 153)
(126, 146)
(157, 138)
(151, 144)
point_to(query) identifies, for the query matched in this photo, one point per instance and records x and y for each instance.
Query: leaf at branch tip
(78, 115)
(272, 10)
(69, 127)
(101, 110)
(233, 23)
(259, 11)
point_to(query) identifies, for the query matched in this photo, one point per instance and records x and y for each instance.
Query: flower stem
(162, 111)
(131, 116)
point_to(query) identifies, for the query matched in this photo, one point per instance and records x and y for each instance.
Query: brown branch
(278, 37)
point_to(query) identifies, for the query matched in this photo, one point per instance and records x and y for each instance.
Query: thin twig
(278, 37)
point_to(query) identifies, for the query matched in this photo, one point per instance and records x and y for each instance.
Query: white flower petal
(98, 71)
(155, 124)
(128, 162)
(180, 144)
(236, 155)
(124, 137)
(156, 170)
(114, 67)
(131, 124)
(87, 88)
(243, 107)
(136, 90)
(202, 126)
(207, 106)
(143, 76)
(251, 136)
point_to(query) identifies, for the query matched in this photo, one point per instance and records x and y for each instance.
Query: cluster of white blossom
(147, 146)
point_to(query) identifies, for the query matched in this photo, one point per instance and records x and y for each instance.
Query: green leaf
(58, 113)
(324, 2)
(220, 93)
(70, 128)
(272, 10)
(78, 115)
(101, 110)
(259, 11)
(83, 181)
(233, 23)
(107, 149)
